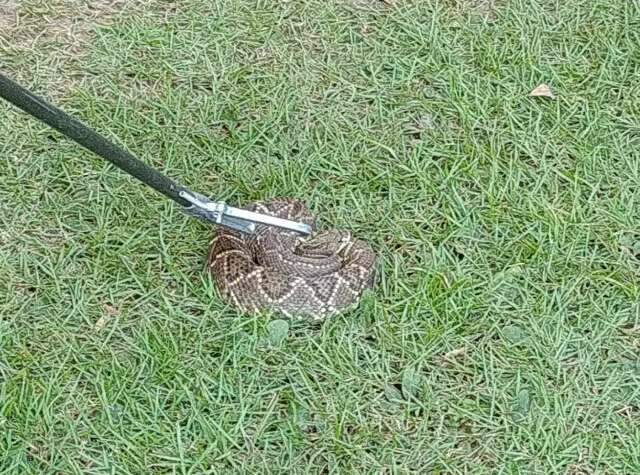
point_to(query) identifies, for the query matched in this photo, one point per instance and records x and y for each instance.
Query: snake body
(275, 269)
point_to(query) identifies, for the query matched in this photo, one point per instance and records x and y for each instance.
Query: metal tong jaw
(239, 219)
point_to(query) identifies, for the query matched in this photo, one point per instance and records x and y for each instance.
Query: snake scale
(274, 269)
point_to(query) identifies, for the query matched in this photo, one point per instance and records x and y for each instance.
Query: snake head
(326, 243)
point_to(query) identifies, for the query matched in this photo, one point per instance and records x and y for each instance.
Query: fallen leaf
(102, 321)
(109, 312)
(452, 355)
(542, 91)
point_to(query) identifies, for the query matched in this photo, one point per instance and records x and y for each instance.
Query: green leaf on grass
(410, 383)
(521, 405)
(514, 334)
(392, 393)
(277, 331)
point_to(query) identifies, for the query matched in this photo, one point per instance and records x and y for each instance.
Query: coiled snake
(275, 269)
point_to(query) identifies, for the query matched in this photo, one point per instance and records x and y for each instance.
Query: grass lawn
(503, 335)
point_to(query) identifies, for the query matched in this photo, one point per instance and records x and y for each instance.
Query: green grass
(503, 335)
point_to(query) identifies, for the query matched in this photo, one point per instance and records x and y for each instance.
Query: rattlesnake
(276, 269)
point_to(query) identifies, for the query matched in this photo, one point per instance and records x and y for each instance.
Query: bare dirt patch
(8, 10)
(50, 36)
(485, 8)
(482, 8)
(27, 23)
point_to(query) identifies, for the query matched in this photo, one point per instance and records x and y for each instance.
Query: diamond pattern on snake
(274, 269)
